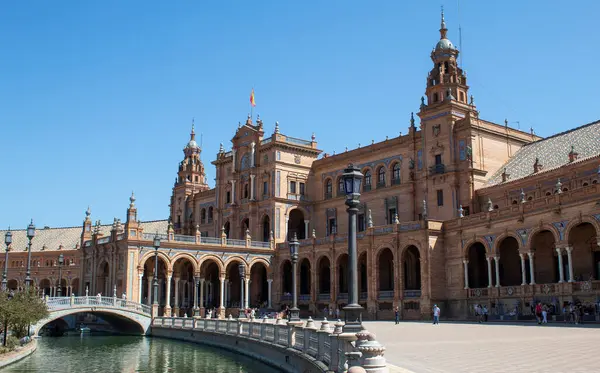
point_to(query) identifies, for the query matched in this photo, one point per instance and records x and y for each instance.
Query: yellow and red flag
(252, 102)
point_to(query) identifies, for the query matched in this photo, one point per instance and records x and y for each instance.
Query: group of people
(330, 312)
(481, 313)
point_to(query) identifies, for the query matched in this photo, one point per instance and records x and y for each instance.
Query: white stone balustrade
(317, 340)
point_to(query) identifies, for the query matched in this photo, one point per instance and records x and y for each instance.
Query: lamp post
(61, 260)
(7, 241)
(30, 235)
(353, 311)
(294, 311)
(155, 284)
(10, 296)
(242, 272)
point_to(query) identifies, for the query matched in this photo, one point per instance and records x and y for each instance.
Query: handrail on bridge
(59, 303)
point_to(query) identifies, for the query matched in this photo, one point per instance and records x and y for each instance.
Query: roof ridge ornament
(443, 29)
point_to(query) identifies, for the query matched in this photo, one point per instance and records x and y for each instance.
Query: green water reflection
(115, 354)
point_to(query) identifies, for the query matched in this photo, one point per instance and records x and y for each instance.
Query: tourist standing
(485, 313)
(337, 312)
(397, 315)
(436, 314)
(538, 312)
(544, 314)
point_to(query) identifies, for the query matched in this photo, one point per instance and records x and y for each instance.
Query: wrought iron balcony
(412, 293)
(437, 169)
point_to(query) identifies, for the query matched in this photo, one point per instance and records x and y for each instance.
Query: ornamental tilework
(385, 161)
(523, 235)
(490, 240)
(560, 226)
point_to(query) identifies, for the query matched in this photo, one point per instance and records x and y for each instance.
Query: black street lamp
(155, 284)
(294, 311)
(242, 271)
(61, 260)
(353, 311)
(30, 235)
(7, 241)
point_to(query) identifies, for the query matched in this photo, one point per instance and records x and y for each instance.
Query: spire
(193, 133)
(88, 212)
(443, 29)
(277, 127)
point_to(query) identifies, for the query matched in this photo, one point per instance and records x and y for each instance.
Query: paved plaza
(469, 347)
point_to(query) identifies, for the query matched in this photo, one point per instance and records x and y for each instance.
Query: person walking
(436, 314)
(538, 313)
(544, 314)
(397, 315)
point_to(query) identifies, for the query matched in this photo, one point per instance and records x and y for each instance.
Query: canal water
(123, 354)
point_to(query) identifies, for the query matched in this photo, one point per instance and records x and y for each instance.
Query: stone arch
(211, 270)
(341, 265)
(187, 256)
(208, 257)
(295, 223)
(576, 222)
(285, 269)
(501, 238)
(543, 244)
(385, 269)
(408, 243)
(150, 254)
(324, 275)
(411, 260)
(470, 243)
(508, 247)
(102, 278)
(238, 259)
(263, 261)
(305, 276)
(258, 287)
(585, 258)
(477, 266)
(538, 229)
(74, 283)
(45, 286)
(142, 324)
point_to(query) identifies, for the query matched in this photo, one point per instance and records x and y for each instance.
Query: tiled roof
(51, 238)
(552, 152)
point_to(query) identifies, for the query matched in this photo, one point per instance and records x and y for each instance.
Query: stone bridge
(125, 315)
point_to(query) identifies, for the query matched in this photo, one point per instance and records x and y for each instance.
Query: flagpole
(252, 106)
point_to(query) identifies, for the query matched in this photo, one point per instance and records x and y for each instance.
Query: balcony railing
(386, 294)
(437, 169)
(412, 293)
(381, 184)
(324, 296)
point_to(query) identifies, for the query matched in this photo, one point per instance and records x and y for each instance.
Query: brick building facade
(458, 211)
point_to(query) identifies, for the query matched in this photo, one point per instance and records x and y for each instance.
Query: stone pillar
(232, 192)
(247, 293)
(233, 162)
(168, 302)
(531, 267)
(561, 272)
(252, 187)
(570, 259)
(523, 271)
(466, 270)
(306, 231)
(252, 152)
(196, 309)
(222, 288)
(285, 228)
(226, 292)
(201, 295)
(149, 290)
(489, 266)
(140, 276)
(160, 291)
(497, 262)
(270, 283)
(176, 303)
(241, 292)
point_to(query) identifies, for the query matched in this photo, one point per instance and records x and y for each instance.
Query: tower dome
(444, 43)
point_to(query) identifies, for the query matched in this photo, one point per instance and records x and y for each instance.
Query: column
(497, 262)
(531, 267)
(246, 292)
(222, 280)
(160, 290)
(225, 293)
(241, 292)
(168, 303)
(306, 224)
(149, 291)
(523, 271)
(489, 264)
(570, 260)
(252, 152)
(140, 276)
(466, 270)
(196, 282)
(561, 272)
(233, 158)
(232, 191)
(202, 292)
(285, 228)
(269, 283)
(252, 187)
(176, 303)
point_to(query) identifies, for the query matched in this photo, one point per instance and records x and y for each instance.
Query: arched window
(202, 216)
(381, 177)
(367, 181)
(246, 190)
(328, 189)
(435, 97)
(340, 191)
(396, 173)
(210, 214)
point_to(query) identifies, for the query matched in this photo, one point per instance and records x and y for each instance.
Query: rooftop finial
(313, 137)
(443, 29)
(277, 127)
(221, 150)
(412, 120)
(193, 125)
(88, 212)
(132, 200)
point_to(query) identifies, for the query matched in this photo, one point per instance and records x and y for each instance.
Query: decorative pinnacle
(443, 29)
(221, 150)
(412, 120)
(132, 200)
(193, 125)
(313, 137)
(88, 212)
(276, 127)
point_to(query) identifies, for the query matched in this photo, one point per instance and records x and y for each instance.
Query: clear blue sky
(96, 98)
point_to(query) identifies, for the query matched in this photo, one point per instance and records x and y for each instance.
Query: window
(367, 182)
(246, 190)
(302, 189)
(331, 227)
(265, 188)
(361, 222)
(228, 197)
(435, 97)
(440, 197)
(445, 67)
(381, 177)
(202, 216)
(462, 96)
(328, 189)
(196, 178)
(438, 159)
(341, 186)
(210, 214)
(396, 174)
(391, 215)
(292, 187)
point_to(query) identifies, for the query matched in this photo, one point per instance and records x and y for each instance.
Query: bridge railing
(58, 303)
(321, 342)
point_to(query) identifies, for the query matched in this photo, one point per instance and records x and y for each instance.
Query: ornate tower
(191, 179)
